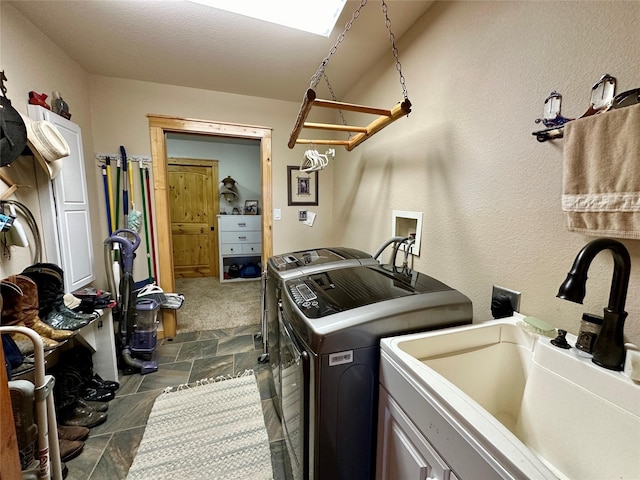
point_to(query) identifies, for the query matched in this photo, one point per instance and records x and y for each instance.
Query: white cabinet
(64, 207)
(403, 452)
(417, 439)
(240, 243)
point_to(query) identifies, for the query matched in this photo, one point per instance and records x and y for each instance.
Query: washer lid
(329, 292)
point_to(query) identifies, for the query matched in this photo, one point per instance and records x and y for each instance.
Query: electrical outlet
(514, 297)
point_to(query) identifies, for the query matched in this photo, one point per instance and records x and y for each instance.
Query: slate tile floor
(111, 447)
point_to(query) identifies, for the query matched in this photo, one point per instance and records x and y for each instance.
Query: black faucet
(608, 349)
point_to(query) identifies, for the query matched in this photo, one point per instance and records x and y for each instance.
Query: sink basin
(553, 412)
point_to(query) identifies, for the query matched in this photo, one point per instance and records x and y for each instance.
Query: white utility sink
(554, 413)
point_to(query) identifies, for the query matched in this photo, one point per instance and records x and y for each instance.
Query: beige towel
(601, 182)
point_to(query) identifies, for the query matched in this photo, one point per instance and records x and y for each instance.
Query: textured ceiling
(191, 45)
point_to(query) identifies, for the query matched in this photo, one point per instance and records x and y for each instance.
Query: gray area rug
(211, 305)
(212, 431)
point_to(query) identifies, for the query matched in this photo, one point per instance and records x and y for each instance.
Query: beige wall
(119, 113)
(477, 75)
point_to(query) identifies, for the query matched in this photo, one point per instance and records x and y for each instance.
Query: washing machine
(330, 326)
(288, 266)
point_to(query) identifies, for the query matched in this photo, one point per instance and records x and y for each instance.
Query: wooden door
(193, 199)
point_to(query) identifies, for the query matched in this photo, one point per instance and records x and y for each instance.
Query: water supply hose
(386, 244)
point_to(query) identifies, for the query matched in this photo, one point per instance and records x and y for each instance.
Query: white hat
(47, 144)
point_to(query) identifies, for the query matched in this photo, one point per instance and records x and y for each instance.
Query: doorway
(159, 127)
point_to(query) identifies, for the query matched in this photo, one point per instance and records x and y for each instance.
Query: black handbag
(13, 132)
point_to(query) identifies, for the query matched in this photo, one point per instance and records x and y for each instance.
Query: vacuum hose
(129, 360)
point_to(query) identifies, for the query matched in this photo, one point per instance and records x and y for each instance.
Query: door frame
(159, 127)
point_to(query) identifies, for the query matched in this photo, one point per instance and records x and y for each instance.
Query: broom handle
(131, 194)
(153, 241)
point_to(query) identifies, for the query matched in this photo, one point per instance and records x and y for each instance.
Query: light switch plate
(277, 214)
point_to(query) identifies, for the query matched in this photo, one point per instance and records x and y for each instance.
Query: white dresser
(240, 243)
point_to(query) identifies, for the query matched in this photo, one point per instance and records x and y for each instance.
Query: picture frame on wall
(251, 207)
(302, 187)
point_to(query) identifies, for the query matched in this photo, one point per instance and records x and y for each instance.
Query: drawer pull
(243, 224)
(242, 238)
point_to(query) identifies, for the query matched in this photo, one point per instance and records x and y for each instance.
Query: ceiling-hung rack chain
(392, 39)
(315, 79)
(333, 95)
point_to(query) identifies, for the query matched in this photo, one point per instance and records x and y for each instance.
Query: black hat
(13, 132)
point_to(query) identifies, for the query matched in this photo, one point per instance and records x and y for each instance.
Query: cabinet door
(68, 234)
(403, 452)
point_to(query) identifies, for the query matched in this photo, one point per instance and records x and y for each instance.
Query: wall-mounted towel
(601, 180)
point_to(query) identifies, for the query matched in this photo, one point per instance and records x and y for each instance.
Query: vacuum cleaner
(137, 321)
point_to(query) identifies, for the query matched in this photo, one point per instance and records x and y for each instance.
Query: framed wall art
(251, 207)
(302, 187)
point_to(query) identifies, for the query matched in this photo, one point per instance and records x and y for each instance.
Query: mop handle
(131, 195)
(146, 225)
(115, 226)
(106, 198)
(125, 193)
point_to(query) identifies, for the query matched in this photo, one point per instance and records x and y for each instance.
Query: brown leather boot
(30, 310)
(13, 314)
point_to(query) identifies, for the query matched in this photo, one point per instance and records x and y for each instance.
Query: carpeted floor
(221, 432)
(211, 305)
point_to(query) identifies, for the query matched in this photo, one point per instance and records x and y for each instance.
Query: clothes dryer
(330, 324)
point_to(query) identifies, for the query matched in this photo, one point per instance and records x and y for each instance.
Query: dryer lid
(318, 256)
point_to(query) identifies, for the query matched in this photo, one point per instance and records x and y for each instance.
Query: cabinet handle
(242, 224)
(242, 238)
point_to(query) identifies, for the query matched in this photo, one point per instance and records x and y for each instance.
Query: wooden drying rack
(385, 118)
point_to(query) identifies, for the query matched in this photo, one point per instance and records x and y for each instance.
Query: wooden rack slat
(400, 110)
(352, 107)
(331, 126)
(344, 143)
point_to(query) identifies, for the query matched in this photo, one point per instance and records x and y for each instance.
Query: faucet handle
(561, 340)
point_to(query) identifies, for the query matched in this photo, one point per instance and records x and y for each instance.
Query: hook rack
(116, 157)
(602, 100)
